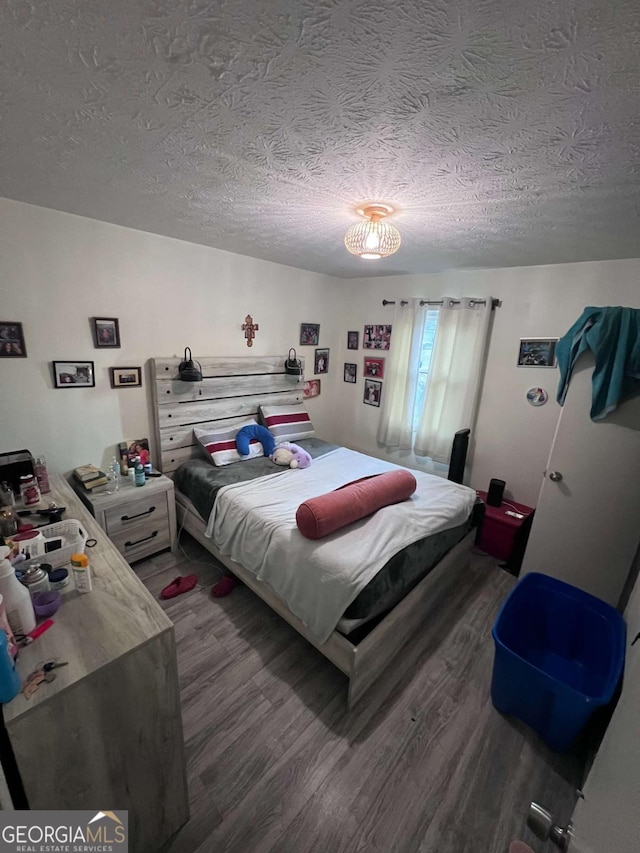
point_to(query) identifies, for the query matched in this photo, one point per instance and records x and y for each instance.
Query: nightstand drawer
(143, 539)
(151, 511)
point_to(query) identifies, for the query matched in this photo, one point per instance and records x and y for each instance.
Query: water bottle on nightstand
(140, 478)
(113, 475)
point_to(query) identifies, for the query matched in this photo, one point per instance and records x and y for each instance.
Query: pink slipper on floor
(179, 585)
(519, 847)
(224, 586)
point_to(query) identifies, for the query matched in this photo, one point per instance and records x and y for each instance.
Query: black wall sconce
(187, 370)
(293, 365)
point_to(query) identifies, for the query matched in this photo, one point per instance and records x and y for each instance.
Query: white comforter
(254, 523)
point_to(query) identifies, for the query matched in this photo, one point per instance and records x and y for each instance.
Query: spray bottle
(17, 601)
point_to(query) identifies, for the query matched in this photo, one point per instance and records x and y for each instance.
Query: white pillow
(287, 423)
(220, 443)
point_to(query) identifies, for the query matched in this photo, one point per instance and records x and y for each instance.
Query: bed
(398, 592)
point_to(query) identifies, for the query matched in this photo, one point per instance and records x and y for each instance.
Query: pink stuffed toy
(292, 455)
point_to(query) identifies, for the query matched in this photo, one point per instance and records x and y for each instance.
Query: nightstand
(505, 536)
(139, 520)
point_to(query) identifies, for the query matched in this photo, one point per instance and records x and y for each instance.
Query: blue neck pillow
(257, 432)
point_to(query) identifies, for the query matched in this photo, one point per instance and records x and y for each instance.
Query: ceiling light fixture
(374, 238)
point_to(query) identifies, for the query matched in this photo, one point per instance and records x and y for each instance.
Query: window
(428, 342)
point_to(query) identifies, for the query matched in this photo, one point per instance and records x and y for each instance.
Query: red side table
(505, 536)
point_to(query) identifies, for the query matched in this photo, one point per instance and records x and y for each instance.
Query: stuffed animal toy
(258, 432)
(292, 455)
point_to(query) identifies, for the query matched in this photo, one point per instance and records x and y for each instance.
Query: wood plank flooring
(423, 764)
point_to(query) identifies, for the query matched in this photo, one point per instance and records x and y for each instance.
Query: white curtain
(454, 379)
(401, 380)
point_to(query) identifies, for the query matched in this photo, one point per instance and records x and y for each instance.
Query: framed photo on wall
(376, 337)
(311, 388)
(309, 334)
(537, 352)
(374, 367)
(73, 374)
(125, 377)
(321, 361)
(12, 343)
(106, 332)
(350, 372)
(353, 340)
(372, 392)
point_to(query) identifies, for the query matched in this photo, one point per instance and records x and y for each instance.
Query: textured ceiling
(506, 133)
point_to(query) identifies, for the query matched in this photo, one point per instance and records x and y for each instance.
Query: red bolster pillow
(320, 516)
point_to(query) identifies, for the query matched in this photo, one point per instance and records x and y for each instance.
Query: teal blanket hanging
(613, 336)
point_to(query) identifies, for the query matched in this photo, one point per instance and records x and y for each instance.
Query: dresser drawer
(143, 539)
(151, 510)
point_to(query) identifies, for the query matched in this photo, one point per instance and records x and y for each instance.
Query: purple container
(45, 604)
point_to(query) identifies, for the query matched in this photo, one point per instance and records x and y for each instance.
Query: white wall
(58, 270)
(512, 438)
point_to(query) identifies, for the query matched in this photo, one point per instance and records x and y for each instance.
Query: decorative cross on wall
(249, 328)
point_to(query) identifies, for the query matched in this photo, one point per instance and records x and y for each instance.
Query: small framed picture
(73, 374)
(12, 340)
(350, 372)
(309, 334)
(128, 450)
(374, 367)
(125, 377)
(321, 361)
(372, 392)
(537, 352)
(311, 388)
(106, 332)
(353, 340)
(376, 337)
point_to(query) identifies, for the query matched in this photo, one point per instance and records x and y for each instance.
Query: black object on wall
(293, 365)
(458, 455)
(495, 493)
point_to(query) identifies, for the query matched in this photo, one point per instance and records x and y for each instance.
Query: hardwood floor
(424, 763)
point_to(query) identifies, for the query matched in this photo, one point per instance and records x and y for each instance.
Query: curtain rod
(495, 303)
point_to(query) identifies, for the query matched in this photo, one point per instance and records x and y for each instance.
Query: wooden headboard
(230, 391)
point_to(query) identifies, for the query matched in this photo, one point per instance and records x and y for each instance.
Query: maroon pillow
(320, 516)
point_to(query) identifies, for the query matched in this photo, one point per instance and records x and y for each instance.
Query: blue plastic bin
(559, 654)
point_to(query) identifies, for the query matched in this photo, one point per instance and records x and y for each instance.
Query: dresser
(107, 733)
(139, 520)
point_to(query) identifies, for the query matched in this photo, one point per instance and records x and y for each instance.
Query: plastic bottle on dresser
(40, 469)
(140, 478)
(4, 626)
(17, 601)
(81, 572)
(29, 490)
(9, 681)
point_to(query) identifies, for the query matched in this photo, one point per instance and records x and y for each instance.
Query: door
(607, 820)
(587, 523)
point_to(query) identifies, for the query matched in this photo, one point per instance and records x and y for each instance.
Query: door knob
(555, 476)
(542, 823)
